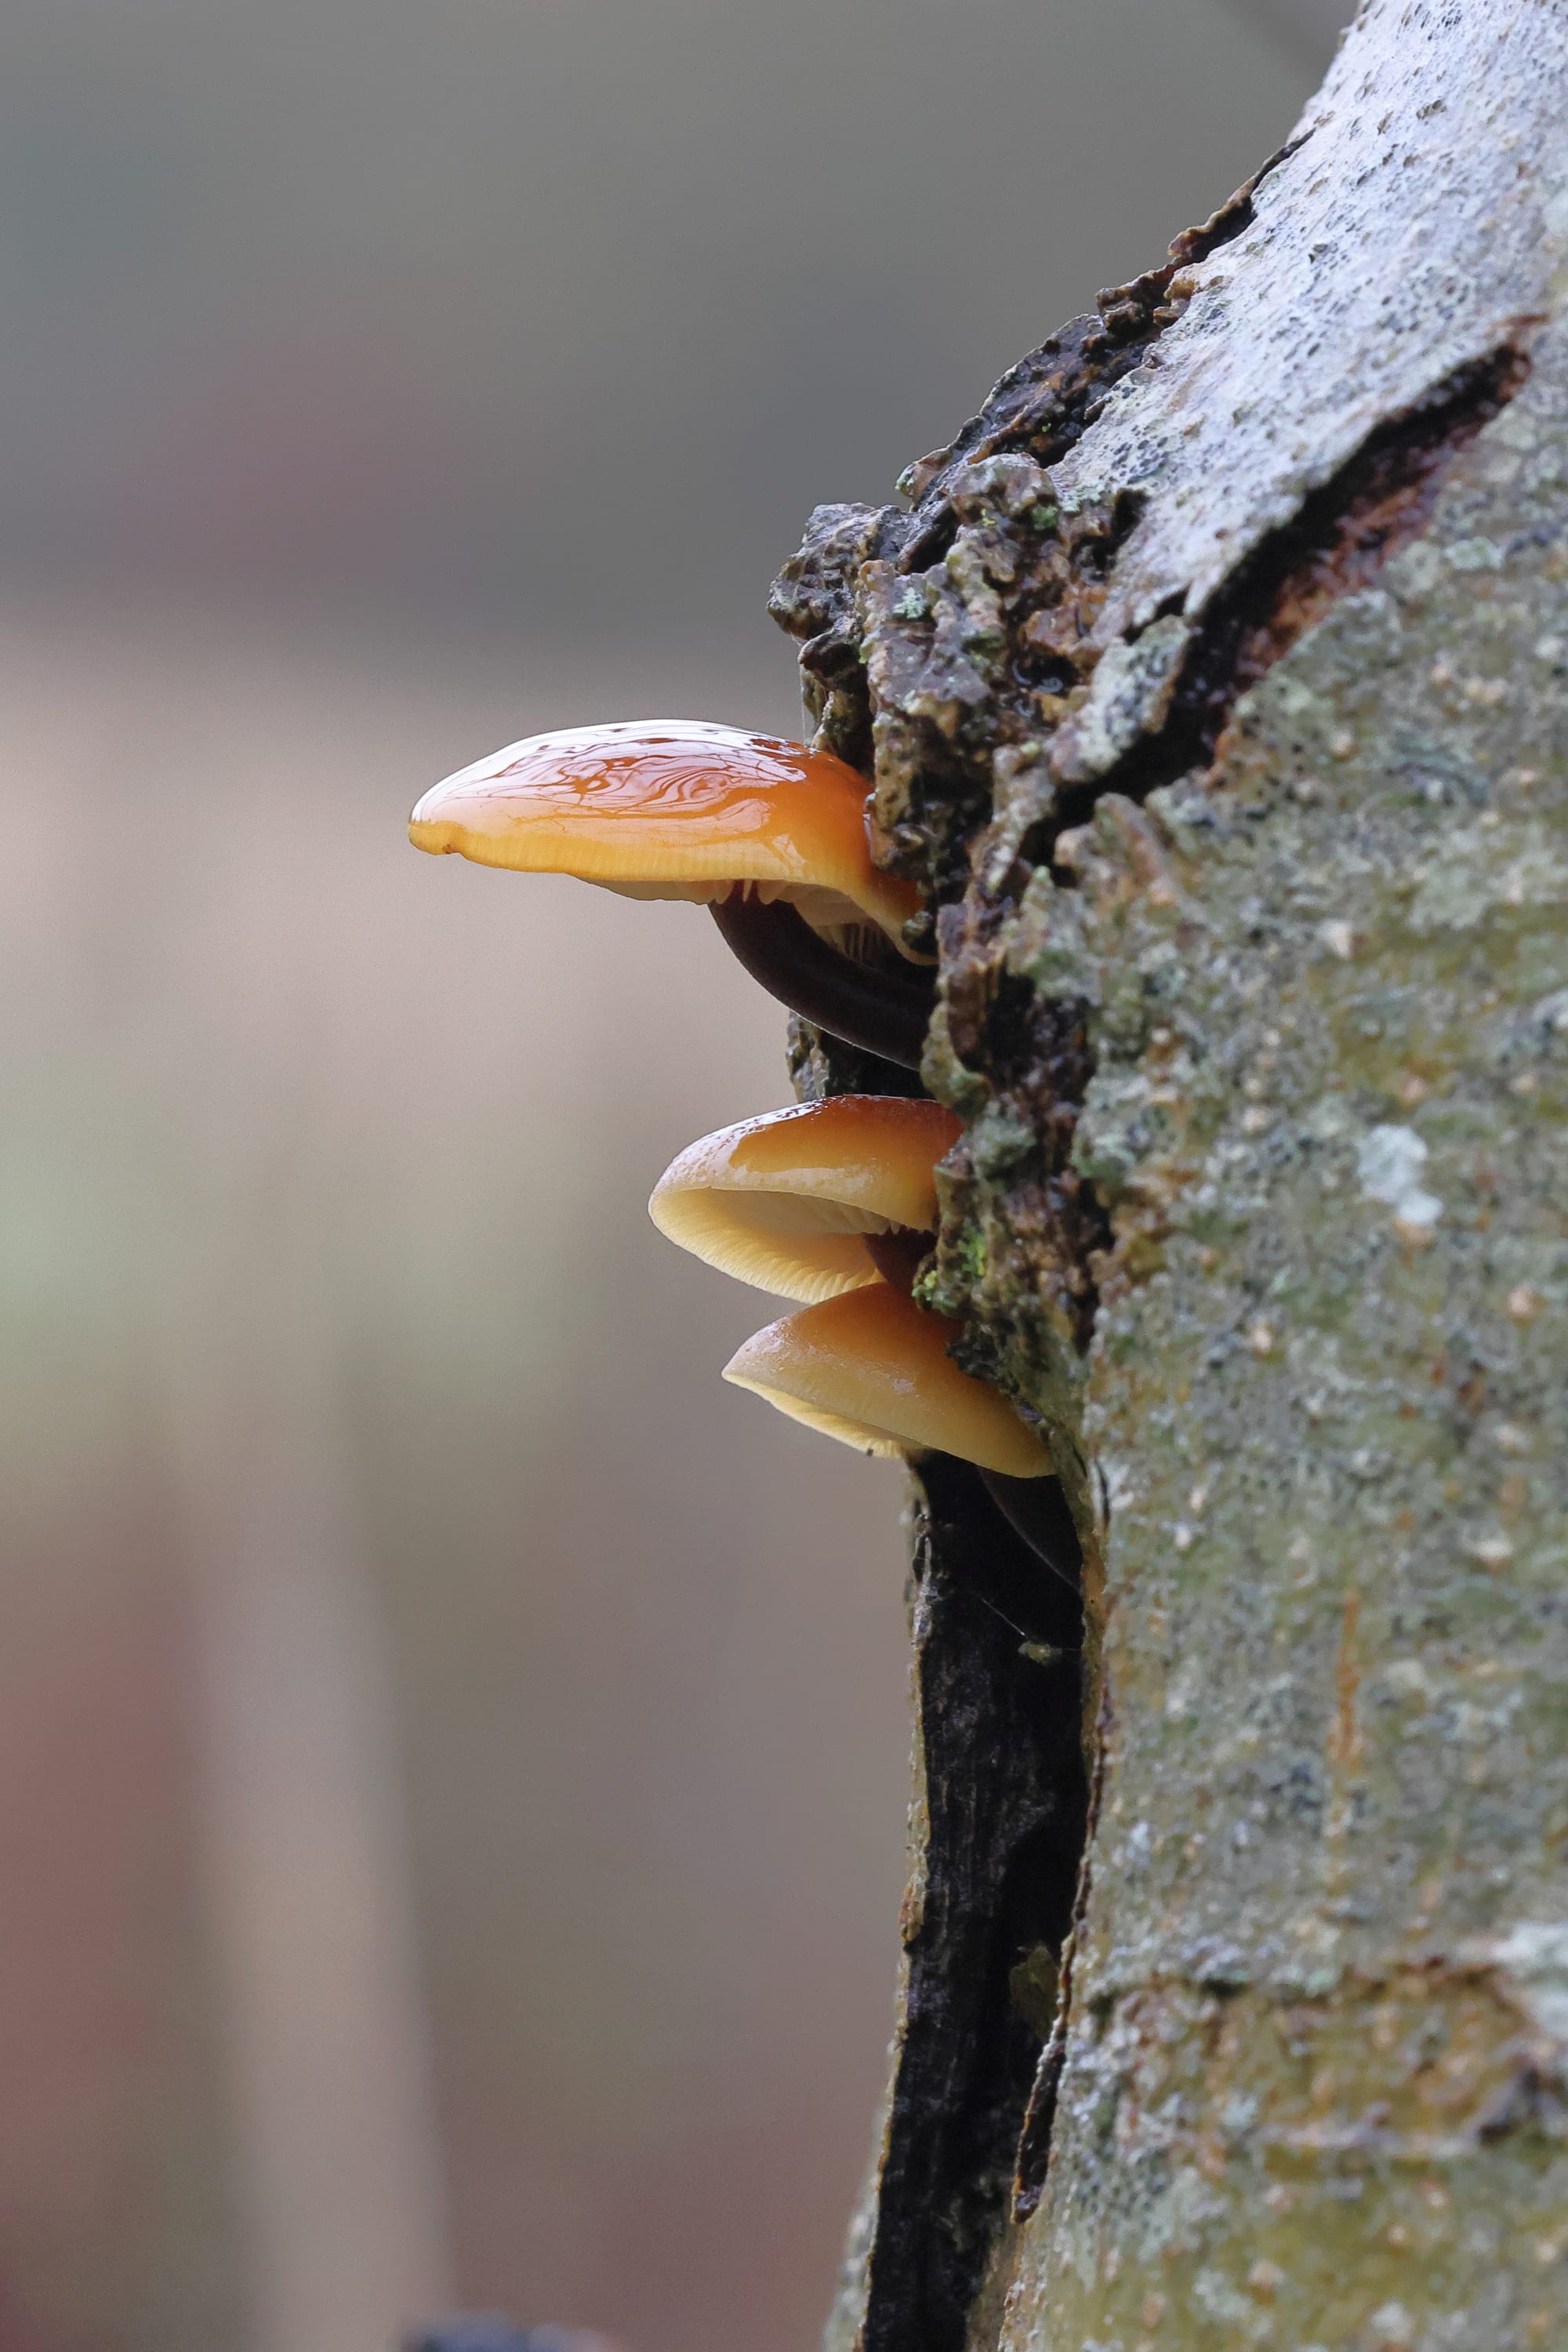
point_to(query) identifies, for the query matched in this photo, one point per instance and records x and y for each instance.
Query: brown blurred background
(452, 1749)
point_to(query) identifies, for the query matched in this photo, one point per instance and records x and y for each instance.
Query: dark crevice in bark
(998, 1644)
(1034, 2153)
(1036, 1509)
(998, 1641)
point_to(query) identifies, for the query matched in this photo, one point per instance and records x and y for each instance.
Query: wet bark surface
(1213, 685)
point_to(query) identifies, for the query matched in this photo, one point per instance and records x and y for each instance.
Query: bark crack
(996, 1644)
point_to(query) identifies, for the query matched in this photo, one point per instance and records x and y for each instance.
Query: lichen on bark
(1214, 685)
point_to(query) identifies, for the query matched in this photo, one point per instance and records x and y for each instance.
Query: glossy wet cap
(869, 1368)
(783, 1201)
(673, 808)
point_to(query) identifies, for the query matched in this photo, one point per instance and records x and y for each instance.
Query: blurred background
(452, 1750)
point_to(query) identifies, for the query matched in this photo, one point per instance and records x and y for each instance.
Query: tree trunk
(1214, 684)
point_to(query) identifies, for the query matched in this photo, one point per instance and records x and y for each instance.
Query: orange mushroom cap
(783, 1201)
(675, 808)
(869, 1368)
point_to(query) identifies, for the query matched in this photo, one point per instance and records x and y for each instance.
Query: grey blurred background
(452, 1750)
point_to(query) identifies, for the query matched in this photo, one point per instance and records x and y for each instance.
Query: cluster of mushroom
(831, 1203)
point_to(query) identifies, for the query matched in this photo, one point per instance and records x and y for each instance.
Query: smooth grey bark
(1216, 685)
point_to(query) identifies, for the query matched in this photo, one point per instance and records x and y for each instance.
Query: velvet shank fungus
(870, 1368)
(770, 835)
(813, 1200)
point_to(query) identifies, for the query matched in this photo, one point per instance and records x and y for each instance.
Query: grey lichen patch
(1490, 863)
(1390, 1160)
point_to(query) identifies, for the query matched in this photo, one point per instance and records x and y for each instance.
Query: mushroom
(870, 1368)
(822, 1198)
(770, 835)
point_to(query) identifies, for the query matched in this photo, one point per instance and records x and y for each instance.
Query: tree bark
(1214, 685)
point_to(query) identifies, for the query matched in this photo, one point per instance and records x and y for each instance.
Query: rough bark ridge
(1214, 684)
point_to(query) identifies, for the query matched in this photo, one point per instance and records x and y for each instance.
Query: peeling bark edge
(1336, 545)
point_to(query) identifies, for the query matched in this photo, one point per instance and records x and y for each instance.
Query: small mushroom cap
(869, 1368)
(783, 1201)
(674, 808)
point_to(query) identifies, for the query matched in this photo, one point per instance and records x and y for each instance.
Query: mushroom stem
(883, 1008)
(1036, 1508)
(896, 1256)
